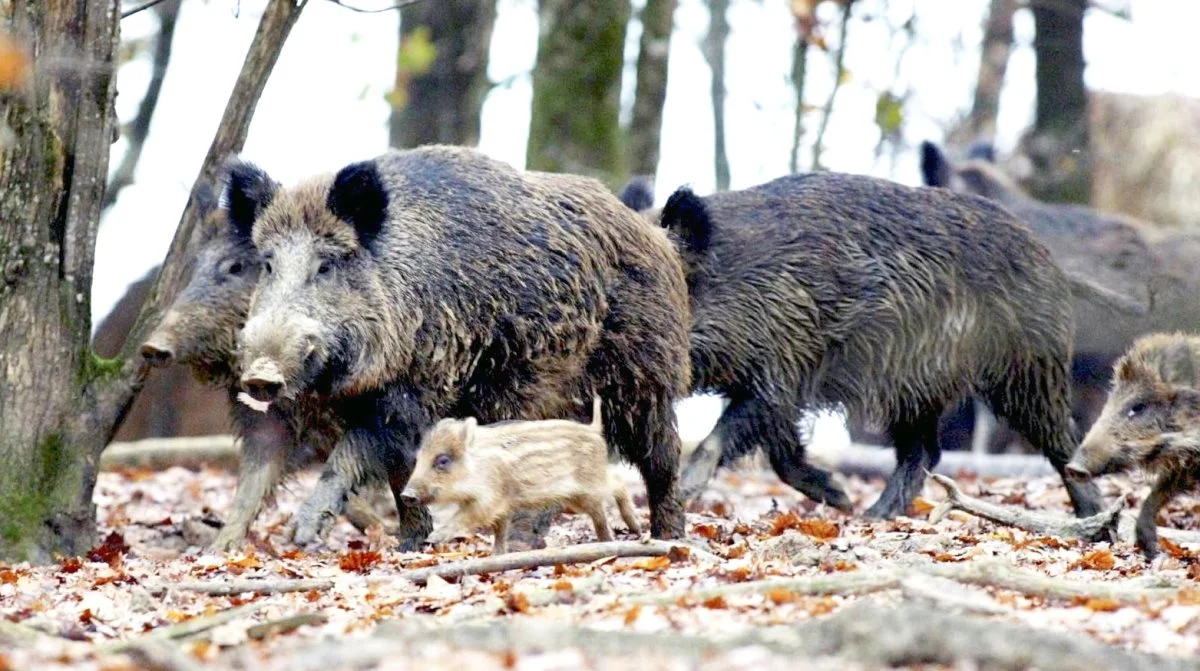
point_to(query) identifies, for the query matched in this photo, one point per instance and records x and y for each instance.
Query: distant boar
(437, 282)
(199, 331)
(1151, 421)
(1120, 253)
(493, 471)
(825, 290)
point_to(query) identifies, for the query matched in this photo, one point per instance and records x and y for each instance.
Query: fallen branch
(285, 624)
(162, 655)
(162, 453)
(855, 582)
(571, 554)
(1125, 531)
(184, 629)
(948, 595)
(868, 461)
(1088, 528)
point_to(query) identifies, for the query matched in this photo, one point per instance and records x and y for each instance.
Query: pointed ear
(468, 431)
(248, 191)
(935, 167)
(1128, 370)
(358, 197)
(686, 215)
(638, 194)
(1178, 366)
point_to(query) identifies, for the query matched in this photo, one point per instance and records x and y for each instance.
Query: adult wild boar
(437, 282)
(833, 290)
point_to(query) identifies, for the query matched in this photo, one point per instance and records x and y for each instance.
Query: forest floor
(789, 581)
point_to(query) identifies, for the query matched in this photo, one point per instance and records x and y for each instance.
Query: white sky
(324, 105)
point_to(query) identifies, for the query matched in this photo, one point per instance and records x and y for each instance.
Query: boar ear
(468, 431)
(248, 191)
(358, 198)
(1178, 366)
(982, 151)
(935, 167)
(686, 215)
(638, 194)
(205, 198)
(1129, 370)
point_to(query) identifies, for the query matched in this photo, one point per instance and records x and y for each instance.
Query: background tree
(1058, 145)
(441, 72)
(575, 125)
(59, 403)
(714, 54)
(645, 130)
(993, 63)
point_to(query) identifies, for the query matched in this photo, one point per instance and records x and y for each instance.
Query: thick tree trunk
(59, 403)
(443, 104)
(51, 192)
(714, 53)
(993, 62)
(645, 130)
(1058, 146)
(576, 89)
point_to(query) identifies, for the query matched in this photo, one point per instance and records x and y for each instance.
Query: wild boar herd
(439, 322)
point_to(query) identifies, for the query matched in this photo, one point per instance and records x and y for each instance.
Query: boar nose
(158, 353)
(262, 390)
(1077, 471)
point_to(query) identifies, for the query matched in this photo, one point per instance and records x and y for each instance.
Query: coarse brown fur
(1151, 421)
(828, 290)
(492, 471)
(1121, 253)
(198, 331)
(437, 282)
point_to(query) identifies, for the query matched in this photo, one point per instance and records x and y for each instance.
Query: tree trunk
(714, 53)
(59, 402)
(442, 104)
(993, 62)
(576, 89)
(799, 68)
(651, 93)
(1058, 146)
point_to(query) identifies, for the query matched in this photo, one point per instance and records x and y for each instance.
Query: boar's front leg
(379, 445)
(1146, 531)
(266, 442)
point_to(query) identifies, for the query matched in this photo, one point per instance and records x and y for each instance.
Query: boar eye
(235, 268)
(1136, 409)
(442, 462)
(324, 268)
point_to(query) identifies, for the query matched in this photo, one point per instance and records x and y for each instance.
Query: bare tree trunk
(59, 403)
(651, 93)
(838, 72)
(714, 53)
(139, 128)
(444, 104)
(993, 62)
(1058, 146)
(799, 67)
(576, 89)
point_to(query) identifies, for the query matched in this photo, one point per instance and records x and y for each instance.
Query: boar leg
(500, 536)
(362, 514)
(266, 441)
(640, 424)
(594, 508)
(527, 531)
(1146, 531)
(916, 452)
(628, 512)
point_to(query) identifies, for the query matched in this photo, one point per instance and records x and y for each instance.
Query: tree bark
(799, 68)
(839, 71)
(444, 103)
(1058, 146)
(993, 62)
(714, 53)
(59, 403)
(575, 124)
(645, 130)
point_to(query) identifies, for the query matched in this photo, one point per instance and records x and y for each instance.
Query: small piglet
(1150, 421)
(492, 471)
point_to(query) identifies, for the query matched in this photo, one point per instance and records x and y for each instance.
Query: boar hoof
(311, 525)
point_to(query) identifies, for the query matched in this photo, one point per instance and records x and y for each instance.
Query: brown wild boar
(495, 470)
(1151, 421)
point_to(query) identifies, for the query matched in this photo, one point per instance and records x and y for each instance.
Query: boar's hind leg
(266, 442)
(916, 451)
(1146, 531)
(641, 426)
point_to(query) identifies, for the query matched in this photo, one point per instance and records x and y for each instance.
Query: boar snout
(158, 353)
(1077, 471)
(263, 381)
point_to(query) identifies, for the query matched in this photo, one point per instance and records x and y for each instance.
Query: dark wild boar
(438, 282)
(828, 290)
(199, 331)
(1151, 421)
(493, 471)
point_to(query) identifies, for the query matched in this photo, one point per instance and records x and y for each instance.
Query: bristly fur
(487, 292)
(826, 290)
(1150, 421)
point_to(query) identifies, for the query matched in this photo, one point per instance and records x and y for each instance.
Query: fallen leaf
(1102, 605)
(651, 564)
(1188, 597)
(714, 602)
(8, 577)
(177, 616)
(631, 615)
(822, 606)
(517, 603)
(1097, 560)
(358, 561)
(707, 531)
(737, 551)
(110, 551)
(815, 528)
(677, 554)
(738, 574)
(780, 596)
(249, 561)
(564, 586)
(85, 616)
(509, 660)
(70, 565)
(1173, 549)
(920, 506)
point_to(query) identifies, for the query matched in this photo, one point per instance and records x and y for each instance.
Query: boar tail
(1082, 287)
(597, 421)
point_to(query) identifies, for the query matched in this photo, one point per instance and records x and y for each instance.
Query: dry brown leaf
(70, 564)
(1188, 597)
(920, 506)
(8, 577)
(780, 596)
(249, 561)
(715, 602)
(631, 615)
(509, 659)
(517, 603)
(822, 606)
(177, 616)
(946, 557)
(737, 574)
(816, 528)
(707, 531)
(737, 551)
(1102, 605)
(1097, 560)
(1173, 549)
(651, 564)
(564, 586)
(110, 551)
(358, 561)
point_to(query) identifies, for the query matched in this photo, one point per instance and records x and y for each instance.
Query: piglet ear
(248, 191)
(468, 431)
(358, 197)
(935, 167)
(1129, 370)
(1178, 365)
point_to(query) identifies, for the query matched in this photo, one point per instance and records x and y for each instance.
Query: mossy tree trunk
(59, 403)
(1058, 145)
(645, 131)
(575, 124)
(441, 100)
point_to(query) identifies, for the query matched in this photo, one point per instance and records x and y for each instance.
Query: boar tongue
(252, 402)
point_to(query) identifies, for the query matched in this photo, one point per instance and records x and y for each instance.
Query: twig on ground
(1088, 528)
(285, 625)
(1125, 531)
(948, 595)
(184, 629)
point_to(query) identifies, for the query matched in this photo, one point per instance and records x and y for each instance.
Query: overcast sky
(324, 105)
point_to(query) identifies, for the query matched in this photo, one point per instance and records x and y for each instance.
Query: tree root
(1089, 528)
(572, 554)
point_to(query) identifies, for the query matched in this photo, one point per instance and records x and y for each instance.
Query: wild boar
(437, 282)
(492, 471)
(1150, 421)
(827, 290)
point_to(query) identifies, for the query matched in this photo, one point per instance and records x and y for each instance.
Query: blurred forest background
(1090, 102)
